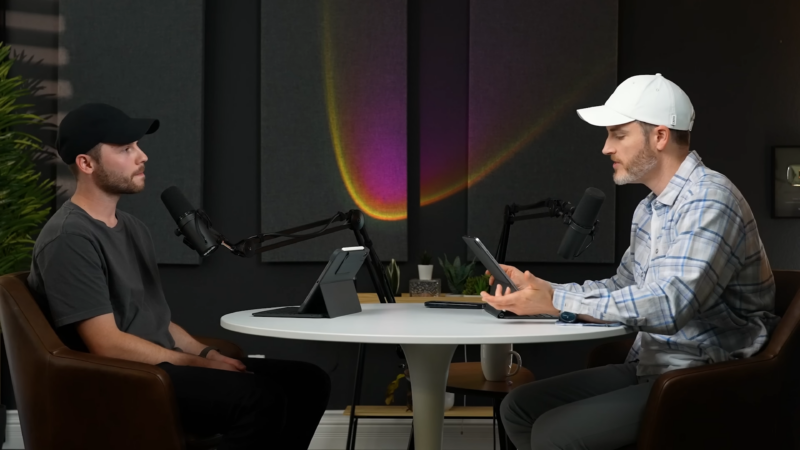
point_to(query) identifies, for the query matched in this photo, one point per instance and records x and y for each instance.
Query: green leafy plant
(394, 276)
(392, 387)
(425, 259)
(456, 274)
(23, 195)
(476, 285)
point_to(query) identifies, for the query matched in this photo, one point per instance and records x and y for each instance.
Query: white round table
(429, 337)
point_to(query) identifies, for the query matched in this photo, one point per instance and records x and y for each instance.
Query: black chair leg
(411, 437)
(494, 435)
(352, 445)
(351, 431)
(505, 442)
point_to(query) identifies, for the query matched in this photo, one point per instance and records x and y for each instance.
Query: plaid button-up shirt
(703, 293)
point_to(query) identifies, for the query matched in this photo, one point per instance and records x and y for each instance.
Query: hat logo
(673, 120)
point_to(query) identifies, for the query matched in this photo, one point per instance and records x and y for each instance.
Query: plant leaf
(393, 387)
(24, 195)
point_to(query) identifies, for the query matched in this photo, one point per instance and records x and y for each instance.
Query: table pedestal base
(427, 367)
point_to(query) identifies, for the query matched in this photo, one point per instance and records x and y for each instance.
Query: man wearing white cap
(695, 281)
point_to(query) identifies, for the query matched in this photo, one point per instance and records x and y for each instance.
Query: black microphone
(582, 223)
(194, 224)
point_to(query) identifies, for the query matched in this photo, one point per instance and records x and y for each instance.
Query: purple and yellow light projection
(364, 63)
(492, 145)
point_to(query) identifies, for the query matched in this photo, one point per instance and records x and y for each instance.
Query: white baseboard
(13, 431)
(392, 434)
(372, 434)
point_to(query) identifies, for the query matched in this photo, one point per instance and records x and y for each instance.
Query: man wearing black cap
(95, 276)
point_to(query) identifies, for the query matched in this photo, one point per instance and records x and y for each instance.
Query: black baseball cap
(94, 123)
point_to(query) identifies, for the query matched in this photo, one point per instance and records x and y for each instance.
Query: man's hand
(219, 365)
(232, 364)
(536, 298)
(521, 280)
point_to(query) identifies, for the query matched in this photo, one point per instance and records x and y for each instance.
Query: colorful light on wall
(490, 149)
(365, 97)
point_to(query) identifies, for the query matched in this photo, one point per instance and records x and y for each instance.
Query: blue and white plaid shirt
(704, 293)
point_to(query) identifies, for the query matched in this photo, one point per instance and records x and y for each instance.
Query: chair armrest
(609, 353)
(227, 348)
(738, 400)
(117, 403)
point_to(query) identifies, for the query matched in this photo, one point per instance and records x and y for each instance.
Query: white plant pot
(449, 400)
(425, 271)
(449, 397)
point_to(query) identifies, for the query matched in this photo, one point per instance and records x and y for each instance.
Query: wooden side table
(467, 379)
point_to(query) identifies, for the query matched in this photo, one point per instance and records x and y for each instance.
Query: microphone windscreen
(177, 204)
(584, 216)
(589, 207)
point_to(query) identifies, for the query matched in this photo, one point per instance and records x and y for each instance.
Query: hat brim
(603, 116)
(131, 131)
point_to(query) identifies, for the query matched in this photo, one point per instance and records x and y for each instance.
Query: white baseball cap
(647, 98)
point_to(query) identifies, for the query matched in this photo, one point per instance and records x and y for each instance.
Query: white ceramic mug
(497, 361)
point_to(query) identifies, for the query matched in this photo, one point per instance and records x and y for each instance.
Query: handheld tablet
(500, 278)
(490, 263)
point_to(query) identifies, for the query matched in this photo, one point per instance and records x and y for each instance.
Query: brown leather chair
(75, 400)
(734, 404)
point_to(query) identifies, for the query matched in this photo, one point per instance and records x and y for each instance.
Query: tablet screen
(490, 263)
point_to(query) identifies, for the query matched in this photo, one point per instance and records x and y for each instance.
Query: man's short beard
(115, 183)
(640, 165)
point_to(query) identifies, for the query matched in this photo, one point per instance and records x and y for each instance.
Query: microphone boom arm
(352, 220)
(555, 208)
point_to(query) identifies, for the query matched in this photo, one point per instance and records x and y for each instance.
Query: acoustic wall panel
(333, 121)
(146, 58)
(531, 65)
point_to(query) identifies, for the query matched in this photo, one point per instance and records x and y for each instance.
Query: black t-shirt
(82, 268)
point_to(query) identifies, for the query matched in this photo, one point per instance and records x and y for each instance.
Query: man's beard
(640, 165)
(115, 183)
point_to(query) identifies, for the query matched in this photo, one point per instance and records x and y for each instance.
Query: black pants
(277, 407)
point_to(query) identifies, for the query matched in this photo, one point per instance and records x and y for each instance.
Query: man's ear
(85, 164)
(662, 135)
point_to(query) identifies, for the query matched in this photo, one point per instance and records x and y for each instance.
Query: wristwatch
(568, 317)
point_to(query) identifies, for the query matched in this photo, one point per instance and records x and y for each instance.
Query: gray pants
(593, 409)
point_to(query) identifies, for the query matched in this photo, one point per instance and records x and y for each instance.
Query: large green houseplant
(24, 196)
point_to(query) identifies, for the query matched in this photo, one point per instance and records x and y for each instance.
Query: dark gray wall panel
(333, 79)
(146, 58)
(532, 63)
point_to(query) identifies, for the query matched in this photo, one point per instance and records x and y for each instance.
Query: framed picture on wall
(786, 181)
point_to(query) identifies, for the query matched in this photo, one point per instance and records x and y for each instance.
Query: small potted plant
(449, 397)
(394, 276)
(456, 273)
(425, 267)
(475, 285)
